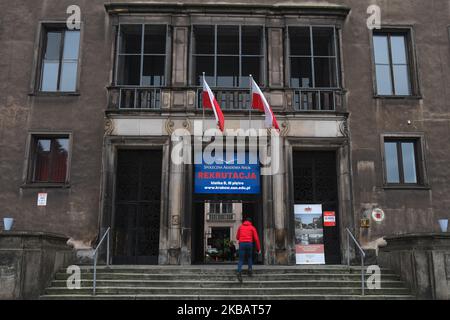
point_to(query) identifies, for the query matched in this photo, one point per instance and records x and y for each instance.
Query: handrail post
(95, 272)
(362, 274)
(107, 249)
(361, 251)
(348, 250)
(95, 255)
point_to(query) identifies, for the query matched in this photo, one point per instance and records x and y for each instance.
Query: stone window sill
(45, 186)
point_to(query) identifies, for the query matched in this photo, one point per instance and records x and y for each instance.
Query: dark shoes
(250, 273)
(239, 276)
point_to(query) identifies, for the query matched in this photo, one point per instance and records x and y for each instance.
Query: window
(141, 55)
(59, 66)
(227, 55)
(392, 64)
(313, 57)
(49, 159)
(214, 207)
(402, 161)
(227, 207)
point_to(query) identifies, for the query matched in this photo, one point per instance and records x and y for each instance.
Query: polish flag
(210, 102)
(260, 103)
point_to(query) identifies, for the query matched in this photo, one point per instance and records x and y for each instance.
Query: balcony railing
(217, 217)
(228, 99)
(135, 98)
(318, 99)
(149, 98)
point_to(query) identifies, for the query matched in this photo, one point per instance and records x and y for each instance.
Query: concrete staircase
(220, 283)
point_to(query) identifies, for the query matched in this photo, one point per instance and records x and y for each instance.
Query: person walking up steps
(247, 237)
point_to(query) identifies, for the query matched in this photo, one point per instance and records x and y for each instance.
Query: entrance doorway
(137, 207)
(215, 223)
(315, 182)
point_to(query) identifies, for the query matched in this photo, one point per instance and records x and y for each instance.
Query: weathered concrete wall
(422, 260)
(74, 211)
(408, 209)
(28, 262)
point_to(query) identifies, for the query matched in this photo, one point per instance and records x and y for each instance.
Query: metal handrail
(107, 233)
(363, 255)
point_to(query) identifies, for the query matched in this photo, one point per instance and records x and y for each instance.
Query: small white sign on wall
(42, 199)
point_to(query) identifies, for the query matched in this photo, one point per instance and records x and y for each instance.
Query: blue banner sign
(228, 177)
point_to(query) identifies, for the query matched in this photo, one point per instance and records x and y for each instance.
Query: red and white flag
(259, 102)
(210, 102)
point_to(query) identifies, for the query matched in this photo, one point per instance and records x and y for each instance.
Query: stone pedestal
(422, 260)
(28, 262)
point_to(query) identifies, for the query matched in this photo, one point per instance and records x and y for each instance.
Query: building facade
(88, 116)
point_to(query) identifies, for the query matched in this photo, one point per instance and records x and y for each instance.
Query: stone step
(248, 282)
(231, 276)
(220, 282)
(227, 270)
(224, 297)
(229, 291)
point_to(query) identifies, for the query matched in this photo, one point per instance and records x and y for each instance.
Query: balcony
(130, 98)
(318, 99)
(220, 217)
(150, 98)
(303, 99)
(228, 99)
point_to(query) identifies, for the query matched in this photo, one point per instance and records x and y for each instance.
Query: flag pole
(250, 107)
(203, 105)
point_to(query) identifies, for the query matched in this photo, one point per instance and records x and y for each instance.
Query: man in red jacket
(247, 236)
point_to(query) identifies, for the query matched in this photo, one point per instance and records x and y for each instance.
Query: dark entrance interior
(137, 207)
(251, 207)
(315, 182)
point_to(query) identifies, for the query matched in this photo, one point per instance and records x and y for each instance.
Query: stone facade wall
(29, 261)
(77, 211)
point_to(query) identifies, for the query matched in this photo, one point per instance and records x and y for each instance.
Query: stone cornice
(285, 8)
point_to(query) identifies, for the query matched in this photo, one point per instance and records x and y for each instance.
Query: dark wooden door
(198, 233)
(137, 208)
(315, 182)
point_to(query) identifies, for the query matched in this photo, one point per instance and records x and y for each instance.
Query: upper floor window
(49, 159)
(214, 207)
(59, 65)
(227, 55)
(227, 207)
(402, 161)
(141, 55)
(392, 64)
(313, 57)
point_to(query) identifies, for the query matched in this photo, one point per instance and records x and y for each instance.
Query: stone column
(180, 55)
(163, 257)
(268, 221)
(346, 217)
(275, 57)
(175, 207)
(279, 204)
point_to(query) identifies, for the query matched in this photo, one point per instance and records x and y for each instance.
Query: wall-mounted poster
(240, 174)
(309, 247)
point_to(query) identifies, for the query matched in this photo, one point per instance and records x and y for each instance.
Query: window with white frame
(392, 63)
(59, 62)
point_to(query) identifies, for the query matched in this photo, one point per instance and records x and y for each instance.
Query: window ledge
(397, 97)
(406, 187)
(55, 94)
(45, 186)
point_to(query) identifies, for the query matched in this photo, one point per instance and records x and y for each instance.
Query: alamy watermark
(73, 22)
(74, 279)
(234, 146)
(374, 20)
